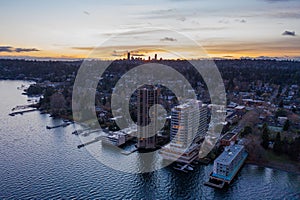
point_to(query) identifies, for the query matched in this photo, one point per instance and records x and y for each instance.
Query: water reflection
(36, 163)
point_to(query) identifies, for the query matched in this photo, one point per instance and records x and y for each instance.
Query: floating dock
(124, 152)
(204, 161)
(22, 112)
(78, 132)
(61, 125)
(184, 168)
(90, 142)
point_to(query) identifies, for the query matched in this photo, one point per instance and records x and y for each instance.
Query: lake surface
(36, 163)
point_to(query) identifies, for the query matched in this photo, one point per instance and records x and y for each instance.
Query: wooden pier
(22, 112)
(124, 152)
(90, 142)
(184, 167)
(61, 125)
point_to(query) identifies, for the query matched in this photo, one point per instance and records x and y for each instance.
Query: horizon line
(37, 58)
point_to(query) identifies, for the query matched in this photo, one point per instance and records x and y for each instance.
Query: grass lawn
(271, 156)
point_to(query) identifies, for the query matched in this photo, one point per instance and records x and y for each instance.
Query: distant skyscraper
(155, 57)
(146, 98)
(186, 131)
(128, 56)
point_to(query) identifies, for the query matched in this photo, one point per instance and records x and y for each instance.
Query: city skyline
(72, 29)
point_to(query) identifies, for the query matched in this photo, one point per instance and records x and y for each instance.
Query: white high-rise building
(188, 127)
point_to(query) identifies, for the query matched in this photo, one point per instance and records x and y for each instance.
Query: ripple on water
(36, 163)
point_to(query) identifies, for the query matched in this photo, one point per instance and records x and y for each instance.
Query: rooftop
(228, 136)
(189, 103)
(229, 154)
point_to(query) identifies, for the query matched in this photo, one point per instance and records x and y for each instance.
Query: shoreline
(276, 166)
(287, 167)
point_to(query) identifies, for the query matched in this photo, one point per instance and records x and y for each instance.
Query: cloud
(276, 1)
(274, 47)
(83, 48)
(138, 54)
(9, 49)
(6, 49)
(182, 18)
(173, 14)
(168, 39)
(117, 54)
(294, 15)
(86, 12)
(18, 50)
(223, 21)
(227, 21)
(289, 33)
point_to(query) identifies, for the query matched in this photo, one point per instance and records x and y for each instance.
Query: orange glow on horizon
(145, 53)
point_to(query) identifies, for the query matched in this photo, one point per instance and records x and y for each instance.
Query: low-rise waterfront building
(227, 165)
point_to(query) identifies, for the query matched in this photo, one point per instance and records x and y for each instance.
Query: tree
(247, 130)
(34, 90)
(230, 85)
(278, 144)
(294, 151)
(280, 104)
(286, 125)
(280, 113)
(285, 145)
(103, 101)
(265, 136)
(57, 104)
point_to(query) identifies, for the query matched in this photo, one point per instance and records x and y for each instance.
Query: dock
(22, 112)
(78, 132)
(90, 142)
(215, 183)
(204, 161)
(57, 126)
(90, 132)
(184, 168)
(124, 152)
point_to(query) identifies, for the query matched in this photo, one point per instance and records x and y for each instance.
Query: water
(36, 163)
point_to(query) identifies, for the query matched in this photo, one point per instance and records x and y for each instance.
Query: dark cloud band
(10, 49)
(289, 33)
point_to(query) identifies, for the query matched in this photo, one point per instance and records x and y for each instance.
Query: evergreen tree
(278, 144)
(265, 136)
(231, 85)
(247, 130)
(280, 104)
(286, 125)
(294, 151)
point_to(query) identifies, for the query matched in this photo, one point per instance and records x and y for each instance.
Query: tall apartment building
(187, 130)
(147, 96)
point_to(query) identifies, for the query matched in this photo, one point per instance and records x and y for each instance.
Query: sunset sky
(226, 29)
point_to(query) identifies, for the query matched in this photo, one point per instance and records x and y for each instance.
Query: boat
(77, 132)
(190, 168)
(183, 167)
(180, 169)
